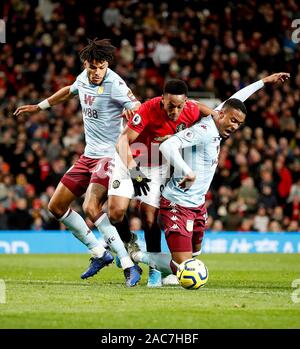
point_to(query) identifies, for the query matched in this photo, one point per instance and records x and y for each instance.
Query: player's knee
(91, 211)
(56, 210)
(116, 215)
(149, 221)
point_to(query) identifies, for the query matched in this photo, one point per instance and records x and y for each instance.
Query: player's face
(173, 105)
(96, 71)
(229, 121)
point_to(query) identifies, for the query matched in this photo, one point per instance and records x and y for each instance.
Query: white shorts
(120, 183)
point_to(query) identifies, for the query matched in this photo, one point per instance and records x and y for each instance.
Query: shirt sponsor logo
(89, 99)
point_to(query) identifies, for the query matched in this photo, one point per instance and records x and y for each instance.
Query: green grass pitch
(243, 291)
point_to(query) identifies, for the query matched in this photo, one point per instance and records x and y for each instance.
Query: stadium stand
(215, 49)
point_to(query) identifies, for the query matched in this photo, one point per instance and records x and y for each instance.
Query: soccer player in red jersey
(139, 170)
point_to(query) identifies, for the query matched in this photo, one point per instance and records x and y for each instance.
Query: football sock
(153, 238)
(123, 230)
(160, 261)
(195, 254)
(112, 238)
(82, 232)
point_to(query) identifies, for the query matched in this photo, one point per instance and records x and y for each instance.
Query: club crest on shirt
(180, 127)
(136, 120)
(116, 184)
(100, 90)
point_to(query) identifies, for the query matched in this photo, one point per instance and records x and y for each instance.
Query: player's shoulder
(82, 77)
(191, 105)
(153, 103)
(207, 125)
(115, 79)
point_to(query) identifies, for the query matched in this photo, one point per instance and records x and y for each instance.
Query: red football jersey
(153, 124)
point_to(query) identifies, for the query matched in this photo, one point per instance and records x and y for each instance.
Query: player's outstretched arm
(58, 97)
(275, 78)
(249, 90)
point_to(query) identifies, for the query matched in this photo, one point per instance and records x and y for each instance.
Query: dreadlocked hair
(98, 50)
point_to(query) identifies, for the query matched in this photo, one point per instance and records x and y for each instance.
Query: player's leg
(178, 223)
(152, 233)
(92, 207)
(96, 195)
(120, 193)
(200, 224)
(74, 184)
(149, 213)
(117, 207)
(59, 206)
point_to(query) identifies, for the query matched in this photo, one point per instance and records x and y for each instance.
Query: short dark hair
(176, 87)
(98, 50)
(235, 103)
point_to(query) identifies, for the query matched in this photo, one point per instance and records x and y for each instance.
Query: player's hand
(140, 181)
(187, 181)
(31, 108)
(128, 113)
(277, 77)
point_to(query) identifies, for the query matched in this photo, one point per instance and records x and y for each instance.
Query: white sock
(113, 239)
(82, 232)
(160, 261)
(197, 253)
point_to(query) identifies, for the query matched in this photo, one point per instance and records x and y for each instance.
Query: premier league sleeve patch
(136, 120)
(188, 135)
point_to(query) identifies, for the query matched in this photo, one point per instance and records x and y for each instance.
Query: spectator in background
(47, 47)
(162, 55)
(3, 218)
(261, 220)
(20, 218)
(274, 227)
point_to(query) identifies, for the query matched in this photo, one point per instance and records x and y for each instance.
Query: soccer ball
(192, 274)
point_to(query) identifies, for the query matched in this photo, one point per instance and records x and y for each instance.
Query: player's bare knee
(116, 215)
(55, 210)
(149, 221)
(91, 211)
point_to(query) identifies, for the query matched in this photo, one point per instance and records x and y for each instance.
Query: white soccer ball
(192, 274)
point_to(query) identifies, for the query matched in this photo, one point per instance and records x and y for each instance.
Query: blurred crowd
(217, 47)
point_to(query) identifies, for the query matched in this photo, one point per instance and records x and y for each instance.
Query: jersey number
(91, 113)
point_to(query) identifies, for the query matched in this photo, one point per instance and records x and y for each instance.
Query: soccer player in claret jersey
(140, 173)
(103, 94)
(182, 205)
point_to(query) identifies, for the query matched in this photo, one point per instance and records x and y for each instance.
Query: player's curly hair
(175, 87)
(98, 50)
